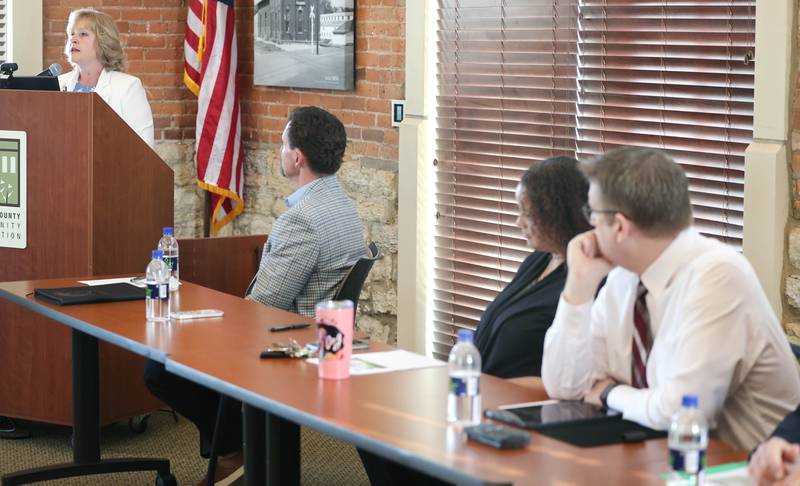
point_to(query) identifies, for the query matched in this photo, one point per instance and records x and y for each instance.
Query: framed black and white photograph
(304, 43)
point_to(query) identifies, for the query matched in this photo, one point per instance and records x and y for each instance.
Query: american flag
(210, 73)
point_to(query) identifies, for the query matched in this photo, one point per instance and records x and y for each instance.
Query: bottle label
(163, 292)
(172, 263)
(464, 386)
(689, 462)
(151, 291)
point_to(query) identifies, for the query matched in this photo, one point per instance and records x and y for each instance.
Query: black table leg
(85, 398)
(218, 425)
(86, 427)
(255, 453)
(283, 451)
(270, 438)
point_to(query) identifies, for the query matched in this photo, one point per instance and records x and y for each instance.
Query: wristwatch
(604, 394)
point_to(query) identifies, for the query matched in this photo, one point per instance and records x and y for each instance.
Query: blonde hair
(109, 46)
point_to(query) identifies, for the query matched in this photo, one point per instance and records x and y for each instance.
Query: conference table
(401, 416)
(123, 324)
(398, 415)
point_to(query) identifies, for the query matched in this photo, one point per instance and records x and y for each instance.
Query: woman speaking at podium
(95, 52)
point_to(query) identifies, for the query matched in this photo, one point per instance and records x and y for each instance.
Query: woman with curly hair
(94, 50)
(510, 334)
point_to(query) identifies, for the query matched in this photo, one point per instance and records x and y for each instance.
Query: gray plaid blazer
(310, 249)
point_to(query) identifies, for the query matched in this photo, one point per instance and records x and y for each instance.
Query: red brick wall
(153, 35)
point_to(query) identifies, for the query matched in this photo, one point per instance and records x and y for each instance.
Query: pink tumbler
(335, 331)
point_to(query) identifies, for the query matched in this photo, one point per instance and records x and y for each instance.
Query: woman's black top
(510, 334)
(789, 428)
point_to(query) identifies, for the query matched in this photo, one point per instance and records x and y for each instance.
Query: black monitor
(40, 83)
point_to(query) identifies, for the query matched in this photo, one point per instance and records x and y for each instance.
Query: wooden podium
(97, 198)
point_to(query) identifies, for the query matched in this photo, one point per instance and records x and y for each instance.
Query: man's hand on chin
(586, 267)
(593, 396)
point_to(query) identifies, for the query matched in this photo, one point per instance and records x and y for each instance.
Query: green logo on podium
(9, 172)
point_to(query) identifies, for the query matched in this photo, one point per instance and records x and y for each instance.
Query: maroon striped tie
(642, 341)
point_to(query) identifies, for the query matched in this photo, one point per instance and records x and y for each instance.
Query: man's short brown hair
(320, 136)
(645, 185)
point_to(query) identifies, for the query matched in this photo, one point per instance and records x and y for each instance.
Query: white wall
(415, 197)
(25, 35)
(766, 181)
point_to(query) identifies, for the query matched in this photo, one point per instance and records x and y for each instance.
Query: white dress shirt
(715, 335)
(125, 95)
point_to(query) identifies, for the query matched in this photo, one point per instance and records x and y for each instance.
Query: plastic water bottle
(688, 439)
(464, 399)
(157, 305)
(169, 245)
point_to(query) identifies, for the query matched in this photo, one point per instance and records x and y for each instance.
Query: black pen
(288, 327)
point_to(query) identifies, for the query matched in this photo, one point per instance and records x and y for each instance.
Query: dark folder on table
(575, 422)
(90, 294)
(593, 434)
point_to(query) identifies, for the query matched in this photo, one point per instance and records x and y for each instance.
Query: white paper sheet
(734, 474)
(387, 361)
(106, 281)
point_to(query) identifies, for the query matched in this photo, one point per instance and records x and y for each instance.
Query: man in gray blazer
(311, 246)
(310, 249)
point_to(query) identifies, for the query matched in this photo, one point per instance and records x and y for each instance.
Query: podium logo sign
(13, 189)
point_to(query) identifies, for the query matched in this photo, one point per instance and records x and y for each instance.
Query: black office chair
(353, 283)
(350, 288)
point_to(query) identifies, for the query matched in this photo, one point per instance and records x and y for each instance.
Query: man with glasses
(679, 313)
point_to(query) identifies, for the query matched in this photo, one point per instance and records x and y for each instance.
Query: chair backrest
(354, 281)
(259, 252)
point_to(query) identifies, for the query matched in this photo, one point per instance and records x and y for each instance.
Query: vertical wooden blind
(3, 29)
(523, 80)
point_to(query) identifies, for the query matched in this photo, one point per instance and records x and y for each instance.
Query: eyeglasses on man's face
(588, 212)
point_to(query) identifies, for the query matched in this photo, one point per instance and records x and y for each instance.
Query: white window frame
(26, 44)
(5, 33)
(766, 180)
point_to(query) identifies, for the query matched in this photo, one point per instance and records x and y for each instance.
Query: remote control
(498, 436)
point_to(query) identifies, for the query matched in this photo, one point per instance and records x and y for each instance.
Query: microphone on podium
(53, 70)
(8, 68)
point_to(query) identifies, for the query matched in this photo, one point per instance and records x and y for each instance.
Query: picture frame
(304, 44)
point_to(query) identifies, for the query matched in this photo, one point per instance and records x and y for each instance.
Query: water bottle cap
(168, 230)
(690, 401)
(464, 335)
(157, 254)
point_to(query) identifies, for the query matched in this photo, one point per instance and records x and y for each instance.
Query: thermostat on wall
(398, 112)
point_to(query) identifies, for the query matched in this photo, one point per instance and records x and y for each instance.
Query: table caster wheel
(138, 424)
(166, 480)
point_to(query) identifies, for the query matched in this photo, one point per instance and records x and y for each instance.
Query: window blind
(674, 75)
(522, 80)
(507, 74)
(3, 30)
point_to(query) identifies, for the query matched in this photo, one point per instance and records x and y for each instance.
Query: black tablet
(551, 413)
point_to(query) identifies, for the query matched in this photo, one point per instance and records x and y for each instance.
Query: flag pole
(207, 215)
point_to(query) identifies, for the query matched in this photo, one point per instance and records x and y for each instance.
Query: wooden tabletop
(124, 323)
(399, 415)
